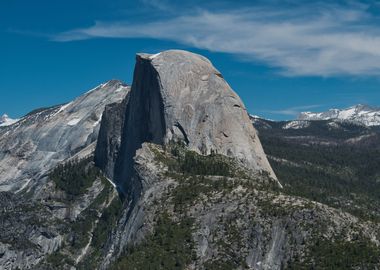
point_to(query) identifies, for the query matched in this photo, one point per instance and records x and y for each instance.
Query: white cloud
(320, 39)
(293, 111)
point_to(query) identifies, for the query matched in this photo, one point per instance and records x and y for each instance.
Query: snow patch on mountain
(256, 117)
(154, 56)
(361, 114)
(296, 124)
(74, 121)
(63, 107)
(5, 120)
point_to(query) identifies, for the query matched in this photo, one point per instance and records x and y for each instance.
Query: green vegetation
(75, 177)
(195, 164)
(192, 187)
(169, 247)
(181, 160)
(220, 265)
(80, 230)
(106, 222)
(324, 254)
(344, 176)
(56, 260)
(318, 164)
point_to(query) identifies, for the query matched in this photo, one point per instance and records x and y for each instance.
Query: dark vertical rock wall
(142, 121)
(110, 134)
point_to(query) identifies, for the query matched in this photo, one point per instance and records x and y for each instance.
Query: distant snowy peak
(259, 118)
(296, 124)
(6, 121)
(366, 115)
(263, 123)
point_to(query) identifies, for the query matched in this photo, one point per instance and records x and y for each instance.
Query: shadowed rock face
(109, 138)
(178, 95)
(143, 122)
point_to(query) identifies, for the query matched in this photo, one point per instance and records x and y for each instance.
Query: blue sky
(281, 57)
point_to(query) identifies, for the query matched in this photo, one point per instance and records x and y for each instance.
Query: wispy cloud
(315, 39)
(157, 4)
(293, 111)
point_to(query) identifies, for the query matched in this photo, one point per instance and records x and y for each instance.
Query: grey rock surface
(178, 95)
(201, 108)
(28, 232)
(40, 140)
(110, 135)
(136, 220)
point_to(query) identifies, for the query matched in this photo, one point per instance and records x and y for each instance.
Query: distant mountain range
(360, 115)
(363, 114)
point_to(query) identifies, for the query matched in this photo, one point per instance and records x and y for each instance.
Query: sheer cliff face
(109, 138)
(178, 95)
(46, 137)
(201, 108)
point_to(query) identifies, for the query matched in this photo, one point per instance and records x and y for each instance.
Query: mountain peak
(5, 120)
(113, 82)
(360, 113)
(4, 117)
(180, 96)
(47, 136)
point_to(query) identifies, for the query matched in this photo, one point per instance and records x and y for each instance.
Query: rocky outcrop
(109, 138)
(28, 232)
(37, 217)
(45, 137)
(178, 95)
(136, 220)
